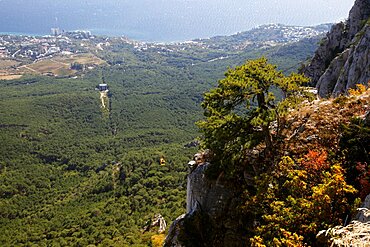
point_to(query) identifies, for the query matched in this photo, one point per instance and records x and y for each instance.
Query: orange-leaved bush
(360, 89)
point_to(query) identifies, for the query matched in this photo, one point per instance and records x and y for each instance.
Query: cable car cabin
(103, 87)
(162, 161)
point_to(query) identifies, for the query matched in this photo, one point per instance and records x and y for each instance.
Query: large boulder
(364, 212)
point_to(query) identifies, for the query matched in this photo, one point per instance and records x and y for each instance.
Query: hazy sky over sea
(165, 20)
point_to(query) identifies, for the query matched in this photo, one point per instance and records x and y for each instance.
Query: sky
(165, 20)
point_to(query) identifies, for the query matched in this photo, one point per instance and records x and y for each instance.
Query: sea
(164, 20)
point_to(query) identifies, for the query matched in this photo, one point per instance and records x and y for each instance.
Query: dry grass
(10, 77)
(82, 59)
(43, 66)
(58, 66)
(356, 234)
(317, 124)
(7, 63)
(8, 71)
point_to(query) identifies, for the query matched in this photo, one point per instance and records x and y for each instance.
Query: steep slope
(214, 218)
(343, 58)
(264, 36)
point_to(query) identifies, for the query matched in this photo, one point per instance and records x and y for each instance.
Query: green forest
(75, 174)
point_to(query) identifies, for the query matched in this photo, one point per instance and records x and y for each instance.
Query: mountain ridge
(342, 59)
(268, 34)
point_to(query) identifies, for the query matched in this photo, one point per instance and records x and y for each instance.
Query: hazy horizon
(164, 20)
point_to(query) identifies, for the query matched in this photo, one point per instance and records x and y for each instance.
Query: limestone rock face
(343, 59)
(173, 238)
(211, 218)
(364, 212)
(360, 12)
(357, 67)
(334, 42)
(328, 81)
(212, 196)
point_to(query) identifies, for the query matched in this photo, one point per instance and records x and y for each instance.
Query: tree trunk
(265, 126)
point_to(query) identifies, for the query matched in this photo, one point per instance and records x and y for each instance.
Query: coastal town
(58, 54)
(38, 47)
(73, 42)
(70, 53)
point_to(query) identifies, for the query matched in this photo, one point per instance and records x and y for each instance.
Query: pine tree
(240, 111)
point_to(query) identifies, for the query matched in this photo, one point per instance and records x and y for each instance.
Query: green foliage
(49, 205)
(239, 112)
(288, 201)
(77, 66)
(59, 183)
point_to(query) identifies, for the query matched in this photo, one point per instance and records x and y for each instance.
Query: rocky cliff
(343, 58)
(214, 216)
(211, 218)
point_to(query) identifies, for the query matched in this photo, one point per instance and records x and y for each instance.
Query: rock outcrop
(211, 218)
(357, 233)
(364, 212)
(343, 58)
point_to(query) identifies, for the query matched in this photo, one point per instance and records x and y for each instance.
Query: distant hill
(266, 35)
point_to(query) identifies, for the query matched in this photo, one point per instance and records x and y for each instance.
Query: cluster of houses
(32, 47)
(37, 47)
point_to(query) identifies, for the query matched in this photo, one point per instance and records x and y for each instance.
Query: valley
(73, 174)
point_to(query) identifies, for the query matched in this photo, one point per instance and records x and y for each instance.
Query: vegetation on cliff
(307, 166)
